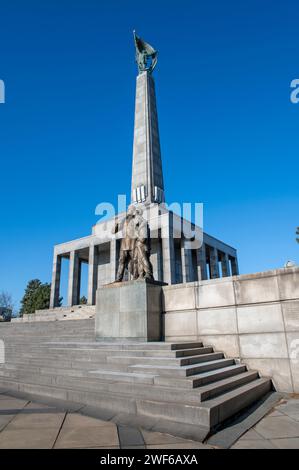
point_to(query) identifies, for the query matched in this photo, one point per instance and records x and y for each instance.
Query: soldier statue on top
(135, 245)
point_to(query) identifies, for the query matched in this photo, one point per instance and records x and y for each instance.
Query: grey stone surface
(180, 297)
(276, 430)
(129, 310)
(81, 431)
(290, 310)
(278, 427)
(254, 289)
(276, 368)
(74, 279)
(246, 316)
(287, 443)
(28, 438)
(118, 377)
(242, 427)
(219, 293)
(179, 324)
(288, 284)
(183, 445)
(55, 286)
(223, 342)
(251, 435)
(253, 444)
(263, 345)
(208, 322)
(260, 318)
(291, 409)
(92, 274)
(130, 437)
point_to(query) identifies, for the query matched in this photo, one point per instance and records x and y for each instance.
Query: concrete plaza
(26, 424)
(30, 425)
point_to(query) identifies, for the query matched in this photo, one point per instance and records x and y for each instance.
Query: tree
(6, 300)
(297, 233)
(83, 300)
(36, 297)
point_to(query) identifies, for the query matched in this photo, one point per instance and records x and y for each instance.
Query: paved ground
(24, 424)
(278, 430)
(28, 425)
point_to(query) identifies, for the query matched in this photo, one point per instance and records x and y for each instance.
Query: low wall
(251, 317)
(77, 312)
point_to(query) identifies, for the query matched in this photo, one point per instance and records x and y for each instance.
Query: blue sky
(229, 132)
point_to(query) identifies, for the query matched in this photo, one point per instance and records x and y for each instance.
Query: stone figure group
(135, 245)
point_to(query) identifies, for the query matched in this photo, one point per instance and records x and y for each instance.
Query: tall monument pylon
(147, 174)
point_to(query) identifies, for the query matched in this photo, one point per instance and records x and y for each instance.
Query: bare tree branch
(6, 300)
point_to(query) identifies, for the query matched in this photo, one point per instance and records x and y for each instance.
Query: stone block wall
(251, 317)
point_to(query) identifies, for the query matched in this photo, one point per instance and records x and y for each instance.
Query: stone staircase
(181, 388)
(77, 312)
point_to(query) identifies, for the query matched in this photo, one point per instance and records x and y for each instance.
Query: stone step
(106, 373)
(201, 379)
(75, 376)
(217, 388)
(47, 335)
(182, 395)
(137, 386)
(158, 366)
(109, 375)
(92, 380)
(186, 355)
(14, 370)
(85, 344)
(144, 352)
(210, 413)
(46, 328)
(158, 361)
(185, 371)
(93, 352)
(114, 402)
(179, 382)
(65, 363)
(26, 340)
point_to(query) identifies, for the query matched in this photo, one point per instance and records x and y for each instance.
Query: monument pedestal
(129, 311)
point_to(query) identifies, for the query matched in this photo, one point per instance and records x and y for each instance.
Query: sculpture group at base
(135, 246)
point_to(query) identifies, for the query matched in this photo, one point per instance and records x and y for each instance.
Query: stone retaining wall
(252, 317)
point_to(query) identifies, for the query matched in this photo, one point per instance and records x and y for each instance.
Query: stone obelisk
(131, 311)
(147, 175)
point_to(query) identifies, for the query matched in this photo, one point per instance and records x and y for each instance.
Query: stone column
(225, 265)
(186, 257)
(156, 257)
(74, 279)
(159, 260)
(168, 251)
(214, 267)
(201, 263)
(234, 266)
(113, 259)
(92, 274)
(55, 285)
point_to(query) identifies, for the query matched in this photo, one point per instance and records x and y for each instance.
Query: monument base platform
(129, 311)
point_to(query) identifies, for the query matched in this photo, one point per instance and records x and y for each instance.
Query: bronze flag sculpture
(146, 55)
